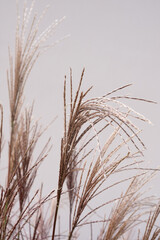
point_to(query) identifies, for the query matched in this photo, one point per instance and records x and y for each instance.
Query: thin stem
(70, 217)
(59, 191)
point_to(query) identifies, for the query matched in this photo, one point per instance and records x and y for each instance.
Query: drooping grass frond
(127, 211)
(83, 118)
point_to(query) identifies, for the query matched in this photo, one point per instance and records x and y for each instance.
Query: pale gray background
(117, 41)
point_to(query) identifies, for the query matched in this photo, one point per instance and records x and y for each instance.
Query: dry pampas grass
(91, 174)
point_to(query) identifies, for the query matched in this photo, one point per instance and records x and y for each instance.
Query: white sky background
(118, 42)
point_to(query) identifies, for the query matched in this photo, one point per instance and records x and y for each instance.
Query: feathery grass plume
(84, 116)
(28, 47)
(18, 228)
(43, 223)
(71, 186)
(128, 210)
(13, 217)
(24, 132)
(152, 231)
(26, 143)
